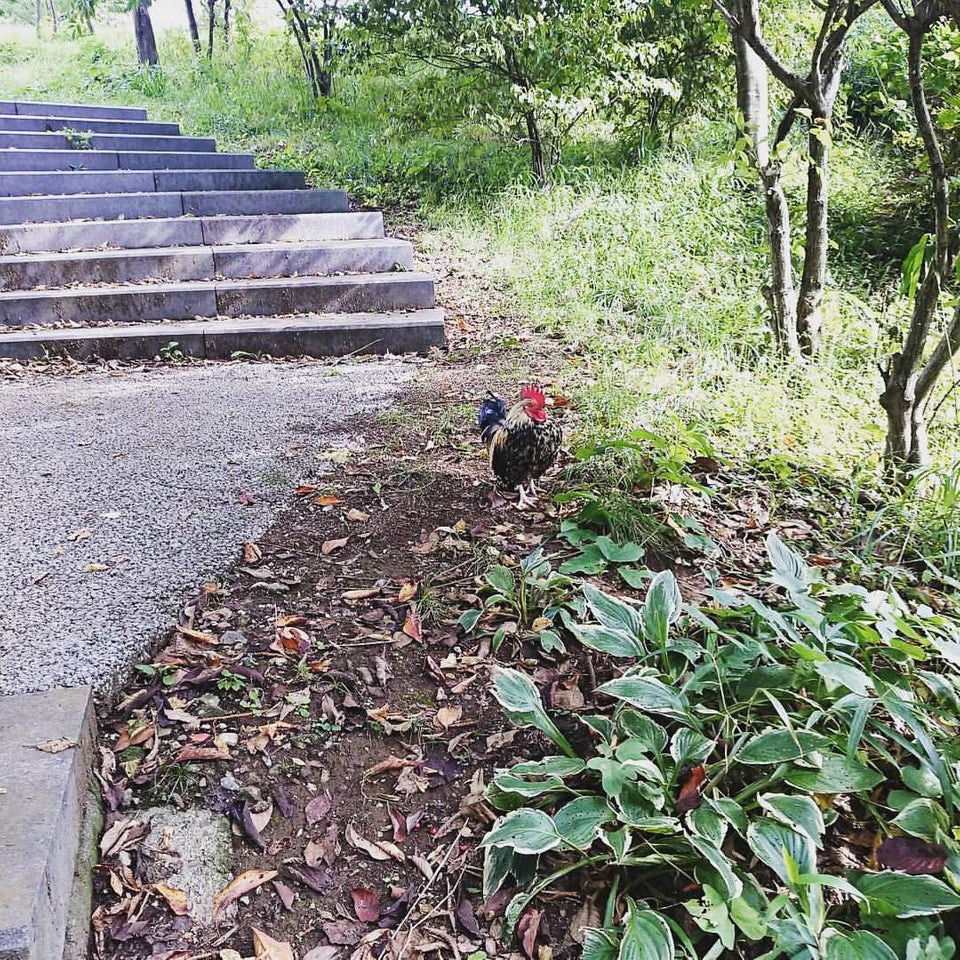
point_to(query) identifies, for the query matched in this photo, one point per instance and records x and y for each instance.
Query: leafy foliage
(742, 741)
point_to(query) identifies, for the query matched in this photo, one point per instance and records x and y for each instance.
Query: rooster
(523, 443)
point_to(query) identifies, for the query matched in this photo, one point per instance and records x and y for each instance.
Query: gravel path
(142, 474)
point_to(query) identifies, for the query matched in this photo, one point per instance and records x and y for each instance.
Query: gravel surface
(143, 474)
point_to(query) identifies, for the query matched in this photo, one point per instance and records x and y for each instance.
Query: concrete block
(102, 141)
(68, 160)
(29, 210)
(181, 160)
(320, 336)
(308, 335)
(308, 258)
(216, 202)
(158, 301)
(190, 180)
(296, 226)
(91, 235)
(53, 270)
(40, 817)
(94, 125)
(94, 112)
(352, 294)
(64, 183)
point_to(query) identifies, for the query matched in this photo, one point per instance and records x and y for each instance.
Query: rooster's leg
(524, 502)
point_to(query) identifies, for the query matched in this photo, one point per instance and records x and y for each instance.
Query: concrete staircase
(120, 237)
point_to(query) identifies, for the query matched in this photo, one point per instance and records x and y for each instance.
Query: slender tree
(911, 373)
(753, 95)
(192, 25)
(143, 31)
(796, 311)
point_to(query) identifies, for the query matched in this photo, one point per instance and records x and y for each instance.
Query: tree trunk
(226, 21)
(326, 74)
(780, 295)
(54, 19)
(810, 299)
(192, 25)
(143, 31)
(541, 174)
(211, 22)
(38, 15)
(753, 100)
(907, 440)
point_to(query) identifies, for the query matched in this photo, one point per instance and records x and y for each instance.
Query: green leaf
(922, 780)
(922, 818)
(618, 643)
(646, 936)
(521, 702)
(468, 619)
(786, 852)
(748, 920)
(661, 608)
(789, 571)
(589, 560)
(780, 746)
(634, 576)
(647, 693)
(550, 642)
(502, 580)
(527, 830)
(860, 945)
(798, 812)
(579, 821)
(837, 774)
(612, 611)
(733, 885)
(599, 944)
(913, 266)
(845, 675)
(620, 552)
(894, 894)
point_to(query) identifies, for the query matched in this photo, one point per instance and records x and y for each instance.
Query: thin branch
(943, 353)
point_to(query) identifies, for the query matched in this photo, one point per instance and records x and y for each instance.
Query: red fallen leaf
(328, 500)
(252, 554)
(304, 490)
(911, 855)
(188, 752)
(399, 825)
(412, 627)
(246, 499)
(466, 918)
(318, 880)
(689, 796)
(527, 930)
(285, 805)
(317, 808)
(366, 904)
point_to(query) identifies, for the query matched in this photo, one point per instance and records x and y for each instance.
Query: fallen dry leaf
(317, 808)
(412, 626)
(190, 752)
(176, 899)
(323, 953)
(366, 904)
(328, 500)
(246, 499)
(911, 855)
(95, 568)
(57, 745)
(239, 885)
(266, 948)
(407, 591)
(689, 796)
(362, 594)
(286, 895)
(378, 849)
(251, 552)
(447, 716)
(527, 930)
(329, 546)
(357, 516)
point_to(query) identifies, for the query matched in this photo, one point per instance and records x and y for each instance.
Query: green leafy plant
(742, 741)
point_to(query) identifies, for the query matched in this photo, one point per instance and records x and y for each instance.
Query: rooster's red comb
(530, 392)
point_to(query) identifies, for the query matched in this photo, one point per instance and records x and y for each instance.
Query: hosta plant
(771, 777)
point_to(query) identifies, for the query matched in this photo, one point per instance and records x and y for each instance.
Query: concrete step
(309, 258)
(41, 816)
(188, 231)
(104, 141)
(11, 122)
(74, 160)
(224, 298)
(23, 108)
(311, 335)
(139, 205)
(71, 182)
